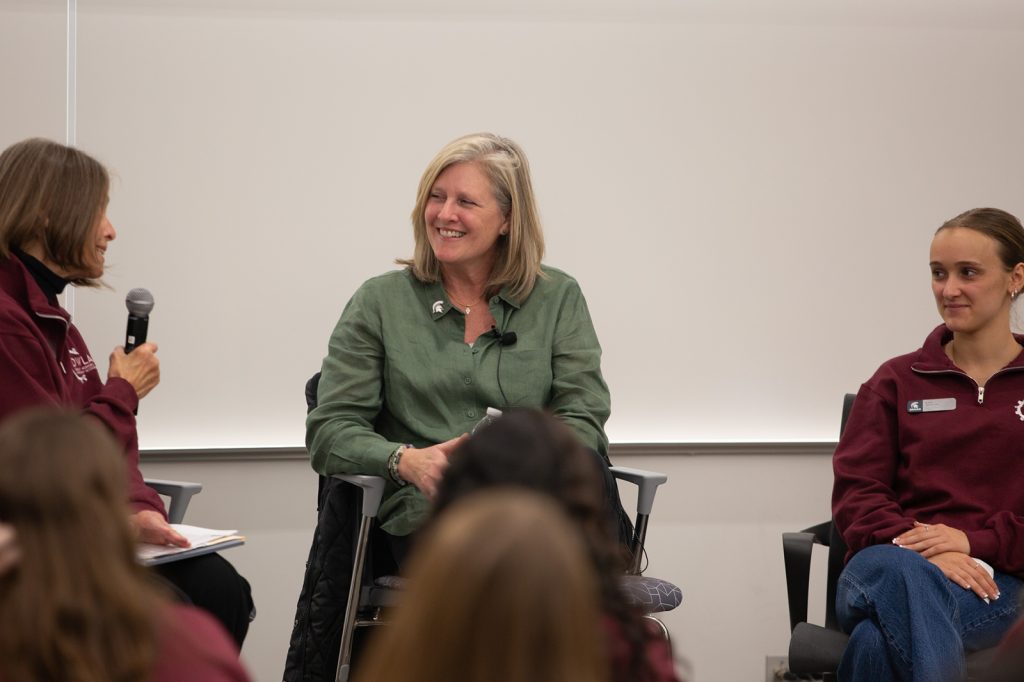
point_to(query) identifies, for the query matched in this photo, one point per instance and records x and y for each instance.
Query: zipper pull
(981, 395)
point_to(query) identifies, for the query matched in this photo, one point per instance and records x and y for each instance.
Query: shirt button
(467, 380)
(470, 413)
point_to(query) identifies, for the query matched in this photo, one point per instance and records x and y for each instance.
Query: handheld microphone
(139, 303)
(506, 339)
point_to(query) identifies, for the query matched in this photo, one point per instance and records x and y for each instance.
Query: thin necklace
(462, 306)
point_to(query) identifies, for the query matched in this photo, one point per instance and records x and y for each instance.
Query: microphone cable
(503, 340)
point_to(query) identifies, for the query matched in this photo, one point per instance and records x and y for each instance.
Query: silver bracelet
(393, 459)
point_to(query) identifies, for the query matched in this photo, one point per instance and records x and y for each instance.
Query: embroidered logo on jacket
(1020, 410)
(81, 366)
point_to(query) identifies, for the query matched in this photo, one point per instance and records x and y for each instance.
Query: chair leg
(348, 626)
(661, 627)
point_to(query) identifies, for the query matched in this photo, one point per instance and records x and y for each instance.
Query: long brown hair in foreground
(76, 607)
(500, 590)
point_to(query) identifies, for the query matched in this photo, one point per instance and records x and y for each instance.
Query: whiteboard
(746, 202)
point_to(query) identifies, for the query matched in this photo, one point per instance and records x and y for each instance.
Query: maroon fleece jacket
(958, 461)
(44, 361)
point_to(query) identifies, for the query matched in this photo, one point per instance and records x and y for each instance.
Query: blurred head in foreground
(499, 590)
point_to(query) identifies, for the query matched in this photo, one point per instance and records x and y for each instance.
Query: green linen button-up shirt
(398, 371)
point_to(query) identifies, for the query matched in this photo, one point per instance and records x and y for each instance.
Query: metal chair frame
(370, 602)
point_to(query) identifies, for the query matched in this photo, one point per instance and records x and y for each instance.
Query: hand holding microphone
(136, 361)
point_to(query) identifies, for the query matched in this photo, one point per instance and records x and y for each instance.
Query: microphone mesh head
(139, 302)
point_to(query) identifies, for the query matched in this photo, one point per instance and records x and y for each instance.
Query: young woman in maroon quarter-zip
(928, 492)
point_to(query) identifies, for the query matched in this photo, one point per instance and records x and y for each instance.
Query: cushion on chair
(653, 595)
(391, 582)
(385, 591)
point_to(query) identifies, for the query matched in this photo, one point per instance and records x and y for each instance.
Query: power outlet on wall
(776, 668)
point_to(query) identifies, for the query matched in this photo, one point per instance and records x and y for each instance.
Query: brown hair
(500, 590)
(520, 252)
(84, 609)
(52, 195)
(531, 449)
(1001, 226)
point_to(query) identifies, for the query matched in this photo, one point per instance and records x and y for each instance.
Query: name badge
(933, 405)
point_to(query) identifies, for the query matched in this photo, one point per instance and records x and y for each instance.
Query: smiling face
(94, 251)
(971, 284)
(463, 219)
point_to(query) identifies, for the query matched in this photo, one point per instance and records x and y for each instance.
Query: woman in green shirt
(473, 321)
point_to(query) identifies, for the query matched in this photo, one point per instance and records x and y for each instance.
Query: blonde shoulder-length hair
(51, 195)
(521, 250)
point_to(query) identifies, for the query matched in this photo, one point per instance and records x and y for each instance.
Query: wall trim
(617, 450)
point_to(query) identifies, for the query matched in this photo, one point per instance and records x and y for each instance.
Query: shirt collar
(932, 355)
(506, 296)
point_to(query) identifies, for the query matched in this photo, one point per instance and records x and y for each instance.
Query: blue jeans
(909, 622)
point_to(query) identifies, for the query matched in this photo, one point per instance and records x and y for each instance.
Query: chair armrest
(373, 490)
(814, 650)
(796, 552)
(646, 481)
(180, 492)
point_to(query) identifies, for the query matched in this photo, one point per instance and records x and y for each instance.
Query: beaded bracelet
(393, 459)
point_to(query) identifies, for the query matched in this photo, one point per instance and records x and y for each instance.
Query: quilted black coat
(316, 634)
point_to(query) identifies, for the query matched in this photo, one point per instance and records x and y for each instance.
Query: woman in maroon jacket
(54, 231)
(928, 474)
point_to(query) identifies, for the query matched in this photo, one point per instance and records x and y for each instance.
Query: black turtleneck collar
(49, 281)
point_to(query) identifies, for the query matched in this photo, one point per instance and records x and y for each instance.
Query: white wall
(33, 78)
(715, 532)
(716, 178)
